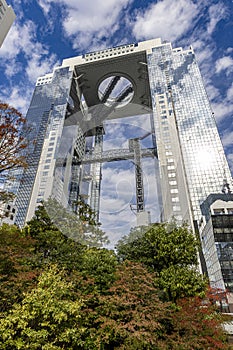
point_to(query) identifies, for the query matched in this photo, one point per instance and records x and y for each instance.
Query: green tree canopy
(100, 265)
(80, 227)
(170, 251)
(132, 316)
(48, 318)
(90, 301)
(51, 244)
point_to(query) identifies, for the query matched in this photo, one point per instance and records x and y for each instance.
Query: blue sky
(47, 31)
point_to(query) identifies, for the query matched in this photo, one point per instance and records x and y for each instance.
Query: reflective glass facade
(191, 155)
(45, 118)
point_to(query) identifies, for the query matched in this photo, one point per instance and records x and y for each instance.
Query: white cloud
(117, 184)
(17, 97)
(37, 66)
(212, 91)
(227, 139)
(45, 5)
(216, 13)
(224, 64)
(205, 48)
(22, 40)
(87, 22)
(167, 19)
(12, 44)
(118, 226)
(230, 93)
(83, 16)
(119, 131)
(229, 50)
(222, 109)
(118, 192)
(204, 52)
(12, 67)
(21, 53)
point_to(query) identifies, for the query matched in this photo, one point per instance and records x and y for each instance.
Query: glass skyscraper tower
(68, 113)
(190, 152)
(63, 112)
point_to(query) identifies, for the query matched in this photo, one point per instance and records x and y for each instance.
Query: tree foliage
(100, 265)
(18, 265)
(52, 245)
(12, 145)
(86, 299)
(80, 226)
(58, 247)
(132, 316)
(48, 317)
(197, 326)
(41, 222)
(171, 251)
(11, 140)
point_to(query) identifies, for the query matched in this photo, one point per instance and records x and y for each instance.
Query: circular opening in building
(115, 91)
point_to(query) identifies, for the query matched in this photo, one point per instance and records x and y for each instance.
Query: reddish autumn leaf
(12, 143)
(18, 265)
(197, 325)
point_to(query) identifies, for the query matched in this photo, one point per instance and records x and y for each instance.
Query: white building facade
(7, 17)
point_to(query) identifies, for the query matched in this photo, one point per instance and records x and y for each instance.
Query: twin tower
(71, 107)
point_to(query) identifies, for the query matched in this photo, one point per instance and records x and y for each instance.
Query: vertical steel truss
(134, 144)
(96, 169)
(74, 185)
